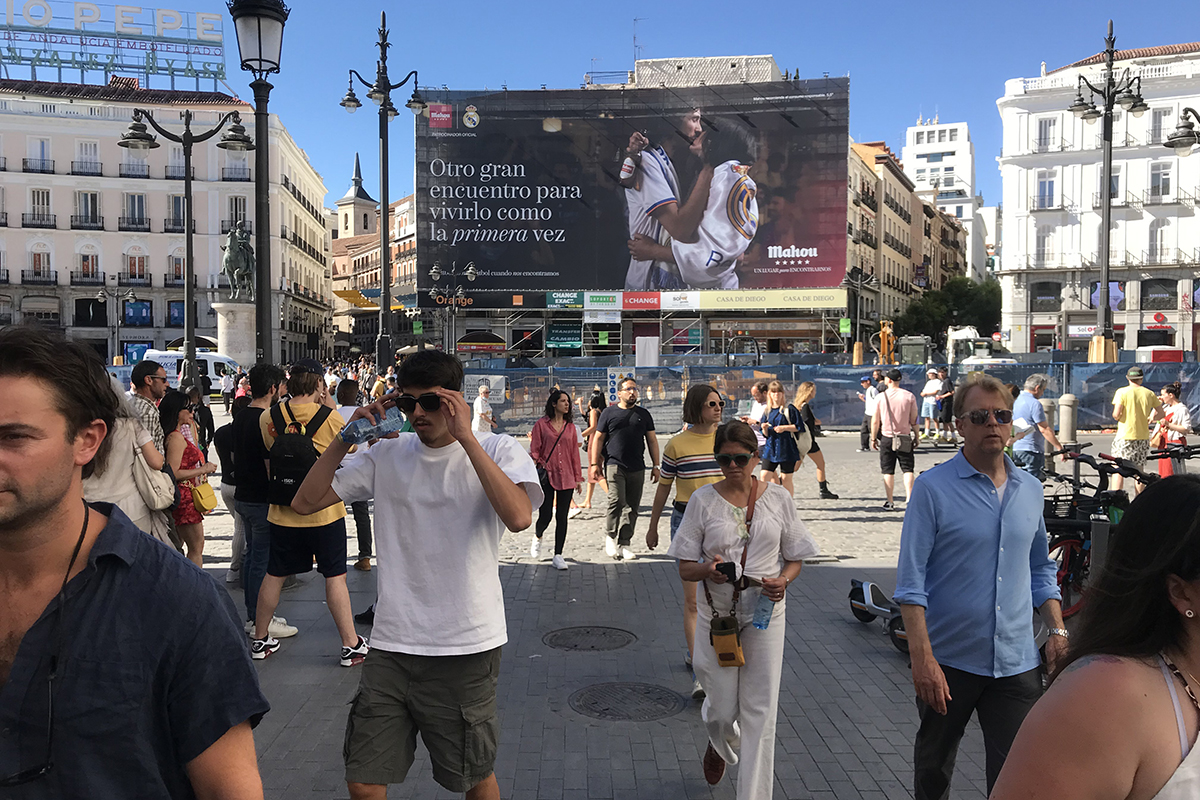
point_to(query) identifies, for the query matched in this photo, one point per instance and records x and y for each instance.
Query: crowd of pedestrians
(100, 514)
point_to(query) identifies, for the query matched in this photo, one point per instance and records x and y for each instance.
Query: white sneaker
(610, 546)
(233, 575)
(574, 512)
(279, 629)
(558, 562)
(535, 548)
(627, 554)
(697, 690)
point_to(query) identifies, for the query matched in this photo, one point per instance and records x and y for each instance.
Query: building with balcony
(94, 216)
(1050, 168)
(896, 227)
(940, 159)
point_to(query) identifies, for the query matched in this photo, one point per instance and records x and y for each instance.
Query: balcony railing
(177, 280)
(1118, 140)
(1118, 200)
(176, 172)
(134, 279)
(3, 276)
(88, 277)
(134, 170)
(87, 168)
(3, 163)
(1158, 197)
(45, 165)
(1050, 144)
(869, 201)
(39, 220)
(39, 277)
(172, 225)
(1048, 202)
(1165, 256)
(235, 173)
(228, 224)
(3, 219)
(87, 222)
(1116, 258)
(134, 224)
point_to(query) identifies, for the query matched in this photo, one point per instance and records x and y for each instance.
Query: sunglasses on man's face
(980, 416)
(739, 459)
(408, 404)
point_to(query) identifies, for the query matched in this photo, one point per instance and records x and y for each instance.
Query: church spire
(356, 191)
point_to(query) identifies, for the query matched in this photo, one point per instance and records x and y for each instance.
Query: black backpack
(293, 453)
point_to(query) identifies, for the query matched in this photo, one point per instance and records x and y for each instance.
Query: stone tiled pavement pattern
(846, 712)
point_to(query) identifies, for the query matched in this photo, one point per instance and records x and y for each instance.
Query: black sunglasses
(716, 404)
(428, 401)
(980, 416)
(725, 459)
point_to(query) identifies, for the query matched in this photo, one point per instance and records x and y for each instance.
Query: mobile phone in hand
(728, 569)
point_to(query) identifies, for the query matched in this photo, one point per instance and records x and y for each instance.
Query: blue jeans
(1031, 462)
(258, 550)
(676, 518)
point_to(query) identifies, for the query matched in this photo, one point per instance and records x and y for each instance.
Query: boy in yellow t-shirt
(1134, 408)
(298, 539)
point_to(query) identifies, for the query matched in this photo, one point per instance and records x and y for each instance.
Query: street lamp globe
(416, 104)
(471, 272)
(1091, 115)
(377, 93)
(351, 102)
(259, 26)
(137, 137)
(1183, 138)
(1080, 106)
(436, 272)
(1139, 106)
(1127, 99)
(236, 139)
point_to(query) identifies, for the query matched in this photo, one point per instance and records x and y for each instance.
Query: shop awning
(368, 299)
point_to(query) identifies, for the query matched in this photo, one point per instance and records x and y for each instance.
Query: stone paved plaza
(846, 711)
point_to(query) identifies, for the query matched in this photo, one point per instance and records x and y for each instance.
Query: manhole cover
(638, 702)
(589, 637)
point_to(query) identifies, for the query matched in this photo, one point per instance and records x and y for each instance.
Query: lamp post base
(1102, 351)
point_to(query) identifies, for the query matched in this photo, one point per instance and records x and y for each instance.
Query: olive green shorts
(449, 700)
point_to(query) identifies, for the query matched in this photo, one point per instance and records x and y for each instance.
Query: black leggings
(563, 496)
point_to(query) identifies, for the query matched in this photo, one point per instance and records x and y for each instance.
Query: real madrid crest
(471, 117)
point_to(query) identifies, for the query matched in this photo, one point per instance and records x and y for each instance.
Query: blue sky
(903, 58)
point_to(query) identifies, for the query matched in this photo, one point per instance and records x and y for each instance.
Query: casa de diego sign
(77, 38)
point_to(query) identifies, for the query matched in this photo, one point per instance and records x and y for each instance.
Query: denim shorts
(676, 518)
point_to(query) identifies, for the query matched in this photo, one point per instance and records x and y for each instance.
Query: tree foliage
(961, 301)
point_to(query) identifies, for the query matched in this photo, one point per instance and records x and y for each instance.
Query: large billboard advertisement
(654, 193)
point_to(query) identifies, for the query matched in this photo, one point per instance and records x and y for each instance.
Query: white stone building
(80, 215)
(1050, 170)
(940, 159)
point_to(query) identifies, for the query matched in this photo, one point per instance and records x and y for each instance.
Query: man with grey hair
(1031, 429)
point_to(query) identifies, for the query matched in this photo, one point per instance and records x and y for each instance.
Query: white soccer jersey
(657, 185)
(726, 230)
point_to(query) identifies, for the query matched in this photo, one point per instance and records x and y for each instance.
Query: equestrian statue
(238, 263)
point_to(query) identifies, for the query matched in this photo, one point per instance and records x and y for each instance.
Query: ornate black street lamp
(452, 295)
(259, 26)
(381, 92)
(1125, 91)
(138, 138)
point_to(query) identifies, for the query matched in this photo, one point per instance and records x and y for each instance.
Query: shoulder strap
(277, 418)
(737, 585)
(317, 421)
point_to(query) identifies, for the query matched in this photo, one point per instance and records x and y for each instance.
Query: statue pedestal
(236, 334)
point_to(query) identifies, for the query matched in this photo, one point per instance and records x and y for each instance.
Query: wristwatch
(1060, 632)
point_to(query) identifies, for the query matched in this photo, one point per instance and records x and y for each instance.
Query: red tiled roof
(1140, 52)
(119, 90)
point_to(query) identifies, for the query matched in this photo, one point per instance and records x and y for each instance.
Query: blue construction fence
(836, 404)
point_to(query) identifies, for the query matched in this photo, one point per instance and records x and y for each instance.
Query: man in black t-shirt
(618, 449)
(267, 384)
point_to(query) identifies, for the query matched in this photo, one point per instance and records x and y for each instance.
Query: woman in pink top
(554, 447)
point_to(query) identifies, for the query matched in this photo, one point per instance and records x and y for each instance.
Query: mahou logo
(777, 251)
(441, 115)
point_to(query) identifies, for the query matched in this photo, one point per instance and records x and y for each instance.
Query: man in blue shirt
(973, 564)
(123, 669)
(1029, 451)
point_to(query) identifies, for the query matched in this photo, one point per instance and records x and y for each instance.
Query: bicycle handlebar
(1180, 451)
(1078, 448)
(1126, 468)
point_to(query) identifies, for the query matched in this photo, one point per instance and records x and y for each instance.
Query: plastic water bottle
(363, 430)
(763, 612)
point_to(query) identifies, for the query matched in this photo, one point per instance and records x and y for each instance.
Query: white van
(209, 363)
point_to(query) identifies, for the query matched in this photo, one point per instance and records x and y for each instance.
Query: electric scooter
(867, 602)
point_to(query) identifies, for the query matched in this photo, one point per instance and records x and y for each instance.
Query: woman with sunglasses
(780, 422)
(688, 463)
(1127, 689)
(753, 526)
(553, 445)
(188, 465)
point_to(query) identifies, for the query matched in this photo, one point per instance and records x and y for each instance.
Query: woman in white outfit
(1127, 692)
(740, 708)
(113, 482)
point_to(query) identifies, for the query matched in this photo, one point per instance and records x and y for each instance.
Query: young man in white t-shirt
(443, 497)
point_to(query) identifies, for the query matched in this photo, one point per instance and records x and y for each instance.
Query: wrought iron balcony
(87, 222)
(172, 225)
(128, 278)
(134, 170)
(87, 168)
(228, 224)
(89, 277)
(45, 165)
(39, 220)
(235, 173)
(39, 277)
(134, 224)
(176, 172)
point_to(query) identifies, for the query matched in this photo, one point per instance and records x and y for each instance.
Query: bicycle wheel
(1071, 563)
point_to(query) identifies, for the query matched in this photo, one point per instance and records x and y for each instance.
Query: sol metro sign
(91, 37)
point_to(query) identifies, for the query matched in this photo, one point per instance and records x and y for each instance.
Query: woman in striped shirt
(688, 463)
